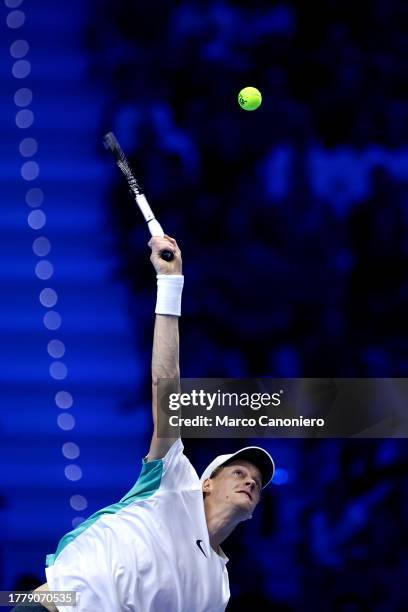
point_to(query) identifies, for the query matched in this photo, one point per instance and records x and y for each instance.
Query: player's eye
(237, 472)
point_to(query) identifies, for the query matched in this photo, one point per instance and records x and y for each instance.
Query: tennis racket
(110, 141)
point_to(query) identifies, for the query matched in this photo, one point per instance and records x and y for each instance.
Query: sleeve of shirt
(90, 581)
(178, 473)
(173, 472)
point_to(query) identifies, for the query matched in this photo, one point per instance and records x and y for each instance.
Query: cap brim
(260, 458)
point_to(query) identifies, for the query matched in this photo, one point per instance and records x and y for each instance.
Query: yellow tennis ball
(249, 98)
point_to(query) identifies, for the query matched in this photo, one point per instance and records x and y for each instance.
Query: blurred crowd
(293, 219)
(293, 223)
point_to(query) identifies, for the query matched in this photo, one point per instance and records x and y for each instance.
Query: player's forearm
(165, 365)
(165, 358)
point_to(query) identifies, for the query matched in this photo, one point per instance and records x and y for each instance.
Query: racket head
(112, 144)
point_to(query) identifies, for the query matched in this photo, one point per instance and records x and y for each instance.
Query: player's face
(239, 483)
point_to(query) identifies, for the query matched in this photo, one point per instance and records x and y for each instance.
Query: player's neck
(220, 524)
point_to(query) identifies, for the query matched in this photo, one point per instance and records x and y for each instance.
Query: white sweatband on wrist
(169, 290)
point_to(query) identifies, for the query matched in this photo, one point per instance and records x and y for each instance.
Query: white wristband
(169, 289)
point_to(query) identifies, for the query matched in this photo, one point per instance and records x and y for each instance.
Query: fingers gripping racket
(110, 141)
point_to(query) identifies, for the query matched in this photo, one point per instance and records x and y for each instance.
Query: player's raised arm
(165, 358)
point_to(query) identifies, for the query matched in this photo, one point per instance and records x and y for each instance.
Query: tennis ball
(249, 98)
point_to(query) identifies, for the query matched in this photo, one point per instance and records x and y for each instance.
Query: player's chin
(245, 511)
(245, 502)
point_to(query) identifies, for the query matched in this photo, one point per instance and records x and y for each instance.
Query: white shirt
(150, 552)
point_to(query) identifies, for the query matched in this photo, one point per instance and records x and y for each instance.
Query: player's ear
(207, 485)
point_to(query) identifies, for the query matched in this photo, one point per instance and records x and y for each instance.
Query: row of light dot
(44, 270)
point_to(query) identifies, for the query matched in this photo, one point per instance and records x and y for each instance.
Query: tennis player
(159, 548)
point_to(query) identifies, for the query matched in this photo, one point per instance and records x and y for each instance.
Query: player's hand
(158, 244)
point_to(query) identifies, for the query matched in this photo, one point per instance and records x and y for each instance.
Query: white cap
(254, 454)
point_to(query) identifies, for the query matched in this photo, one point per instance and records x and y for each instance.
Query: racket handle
(167, 255)
(156, 230)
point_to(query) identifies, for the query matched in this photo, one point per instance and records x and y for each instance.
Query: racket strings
(111, 142)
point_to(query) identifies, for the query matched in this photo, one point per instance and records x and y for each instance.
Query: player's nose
(250, 482)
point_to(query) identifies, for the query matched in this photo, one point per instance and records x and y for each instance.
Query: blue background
(293, 225)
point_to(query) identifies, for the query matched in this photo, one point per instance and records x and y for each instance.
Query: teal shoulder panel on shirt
(146, 485)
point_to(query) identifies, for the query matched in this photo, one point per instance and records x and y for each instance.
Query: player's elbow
(173, 376)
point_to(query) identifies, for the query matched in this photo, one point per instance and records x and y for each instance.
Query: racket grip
(156, 230)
